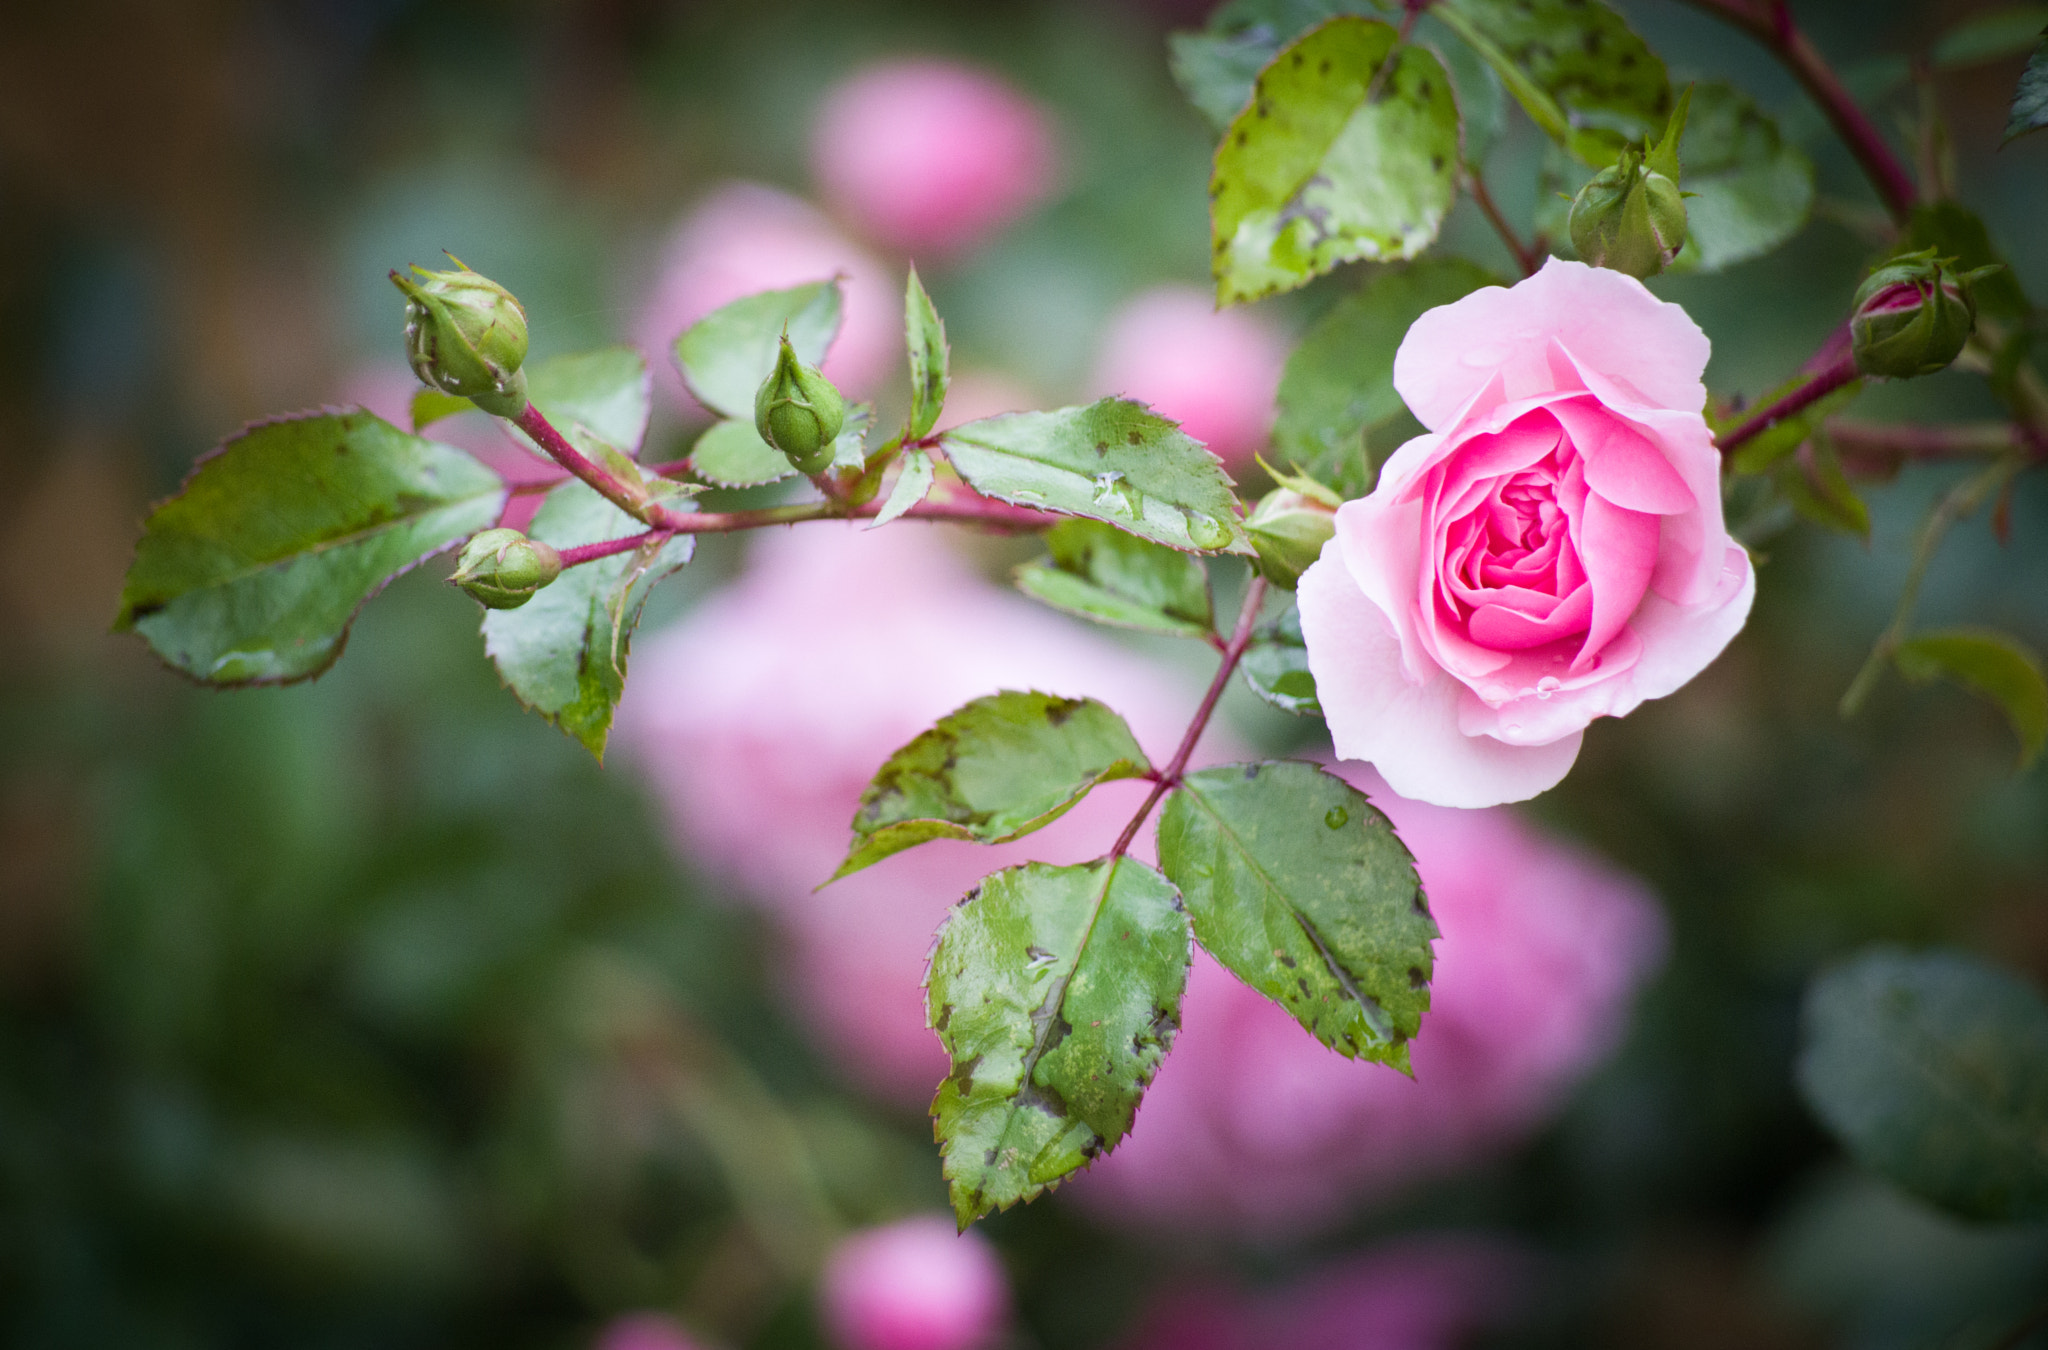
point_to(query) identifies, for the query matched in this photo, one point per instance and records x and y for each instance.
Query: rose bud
(1629, 217)
(799, 412)
(466, 335)
(502, 569)
(1912, 317)
(1289, 530)
(914, 1285)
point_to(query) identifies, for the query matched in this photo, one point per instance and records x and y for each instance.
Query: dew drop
(1336, 817)
(1547, 686)
(1205, 531)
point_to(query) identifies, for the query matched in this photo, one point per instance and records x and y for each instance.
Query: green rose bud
(799, 412)
(1289, 531)
(501, 569)
(466, 335)
(1629, 217)
(1912, 317)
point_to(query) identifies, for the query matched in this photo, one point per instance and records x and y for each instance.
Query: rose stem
(1824, 382)
(1876, 447)
(1770, 22)
(1527, 258)
(1233, 652)
(632, 501)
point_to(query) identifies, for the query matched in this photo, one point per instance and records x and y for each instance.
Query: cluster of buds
(1912, 316)
(1630, 216)
(799, 412)
(466, 335)
(503, 569)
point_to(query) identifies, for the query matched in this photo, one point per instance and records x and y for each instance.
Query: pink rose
(645, 1331)
(746, 237)
(1254, 1127)
(1214, 373)
(914, 1285)
(931, 155)
(1551, 552)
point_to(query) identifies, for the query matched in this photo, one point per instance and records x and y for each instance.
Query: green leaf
(1113, 461)
(1339, 381)
(1575, 67)
(607, 391)
(849, 447)
(732, 454)
(1956, 231)
(1991, 36)
(1818, 489)
(1932, 1069)
(1348, 150)
(1998, 666)
(926, 337)
(1298, 884)
(564, 651)
(913, 481)
(1275, 665)
(431, 405)
(991, 771)
(1481, 98)
(1103, 574)
(725, 355)
(1217, 71)
(1752, 190)
(1056, 991)
(2030, 99)
(1763, 451)
(253, 571)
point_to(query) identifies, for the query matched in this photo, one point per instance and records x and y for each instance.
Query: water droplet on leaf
(1336, 817)
(1205, 531)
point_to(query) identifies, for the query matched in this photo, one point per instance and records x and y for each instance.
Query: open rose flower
(1552, 551)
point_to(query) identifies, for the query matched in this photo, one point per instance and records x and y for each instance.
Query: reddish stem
(1168, 778)
(1824, 382)
(1530, 260)
(632, 500)
(1770, 22)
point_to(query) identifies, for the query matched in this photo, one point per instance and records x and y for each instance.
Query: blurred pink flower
(1420, 1294)
(1214, 373)
(926, 155)
(746, 237)
(645, 1331)
(1252, 1125)
(762, 716)
(914, 1285)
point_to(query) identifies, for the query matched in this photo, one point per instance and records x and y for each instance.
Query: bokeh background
(373, 1013)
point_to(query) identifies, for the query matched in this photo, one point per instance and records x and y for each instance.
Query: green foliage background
(371, 1013)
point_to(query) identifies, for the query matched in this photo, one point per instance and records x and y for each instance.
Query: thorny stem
(1528, 258)
(632, 500)
(1770, 22)
(1825, 381)
(1962, 500)
(1169, 777)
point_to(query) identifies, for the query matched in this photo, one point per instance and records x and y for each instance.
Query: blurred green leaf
(431, 405)
(913, 481)
(1752, 191)
(1103, 574)
(926, 338)
(726, 355)
(1348, 150)
(1297, 883)
(1958, 232)
(1339, 380)
(1932, 1069)
(1482, 100)
(1575, 66)
(1275, 665)
(607, 391)
(563, 653)
(1761, 452)
(1996, 665)
(732, 454)
(1818, 489)
(991, 771)
(1057, 992)
(253, 571)
(1217, 71)
(1113, 461)
(2030, 99)
(1991, 36)
(850, 446)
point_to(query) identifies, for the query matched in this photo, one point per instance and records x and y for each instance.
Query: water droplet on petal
(1547, 686)
(1336, 817)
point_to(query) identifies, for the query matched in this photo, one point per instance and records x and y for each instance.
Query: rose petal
(1608, 320)
(1409, 731)
(1619, 548)
(1504, 625)
(1622, 464)
(1680, 641)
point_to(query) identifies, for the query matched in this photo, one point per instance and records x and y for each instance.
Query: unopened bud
(1629, 217)
(1912, 317)
(466, 335)
(502, 569)
(1289, 531)
(799, 412)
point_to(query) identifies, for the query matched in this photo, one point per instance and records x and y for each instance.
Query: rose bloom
(1552, 551)
(1214, 373)
(1254, 1128)
(914, 1285)
(927, 155)
(764, 713)
(645, 1331)
(747, 237)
